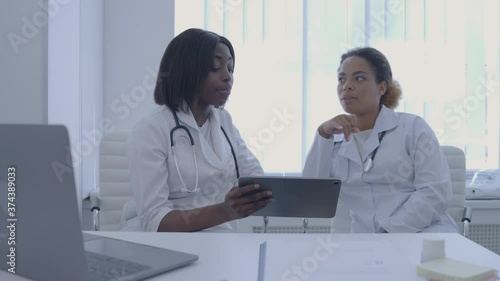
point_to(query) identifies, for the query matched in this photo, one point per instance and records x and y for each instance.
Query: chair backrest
(456, 163)
(114, 189)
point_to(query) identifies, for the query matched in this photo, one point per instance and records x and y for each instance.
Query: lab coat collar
(387, 119)
(186, 117)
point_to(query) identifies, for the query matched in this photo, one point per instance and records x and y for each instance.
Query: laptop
(40, 232)
(297, 196)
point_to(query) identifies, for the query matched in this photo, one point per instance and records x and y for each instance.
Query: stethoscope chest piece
(368, 165)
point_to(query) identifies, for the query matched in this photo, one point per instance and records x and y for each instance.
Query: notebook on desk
(39, 204)
(451, 269)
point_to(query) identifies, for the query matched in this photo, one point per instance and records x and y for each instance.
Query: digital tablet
(297, 197)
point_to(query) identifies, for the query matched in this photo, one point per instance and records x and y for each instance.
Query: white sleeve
(432, 184)
(319, 159)
(148, 152)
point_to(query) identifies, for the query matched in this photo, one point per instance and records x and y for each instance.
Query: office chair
(114, 186)
(456, 162)
(457, 209)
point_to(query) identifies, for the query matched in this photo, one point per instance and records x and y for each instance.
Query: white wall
(103, 59)
(23, 64)
(64, 105)
(91, 89)
(90, 65)
(136, 34)
(75, 82)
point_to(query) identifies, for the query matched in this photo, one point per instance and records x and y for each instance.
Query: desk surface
(234, 256)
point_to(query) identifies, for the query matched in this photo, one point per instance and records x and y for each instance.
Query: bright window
(445, 54)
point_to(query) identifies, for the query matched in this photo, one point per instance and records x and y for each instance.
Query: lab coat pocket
(340, 167)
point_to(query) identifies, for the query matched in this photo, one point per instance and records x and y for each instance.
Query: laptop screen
(40, 207)
(40, 230)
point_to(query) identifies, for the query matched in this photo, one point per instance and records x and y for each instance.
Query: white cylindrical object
(432, 248)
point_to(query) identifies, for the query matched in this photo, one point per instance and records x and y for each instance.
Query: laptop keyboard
(105, 268)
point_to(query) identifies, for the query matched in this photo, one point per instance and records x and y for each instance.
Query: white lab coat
(154, 177)
(407, 189)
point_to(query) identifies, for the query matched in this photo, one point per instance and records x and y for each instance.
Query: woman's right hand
(240, 202)
(339, 124)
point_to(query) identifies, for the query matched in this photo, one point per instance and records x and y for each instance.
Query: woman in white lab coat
(394, 176)
(191, 190)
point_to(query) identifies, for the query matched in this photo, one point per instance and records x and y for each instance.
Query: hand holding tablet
(245, 200)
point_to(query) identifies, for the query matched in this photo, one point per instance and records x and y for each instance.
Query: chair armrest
(466, 219)
(467, 214)
(95, 207)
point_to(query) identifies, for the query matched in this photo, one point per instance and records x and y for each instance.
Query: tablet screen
(297, 197)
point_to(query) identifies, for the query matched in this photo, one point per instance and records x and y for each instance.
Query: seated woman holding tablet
(186, 156)
(394, 176)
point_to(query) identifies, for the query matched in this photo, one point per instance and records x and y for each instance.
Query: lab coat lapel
(221, 146)
(349, 150)
(387, 119)
(187, 119)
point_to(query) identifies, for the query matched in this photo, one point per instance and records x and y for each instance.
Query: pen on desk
(262, 261)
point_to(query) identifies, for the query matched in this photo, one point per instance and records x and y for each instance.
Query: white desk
(235, 256)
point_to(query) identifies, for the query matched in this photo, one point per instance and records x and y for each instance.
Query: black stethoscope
(172, 144)
(368, 164)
